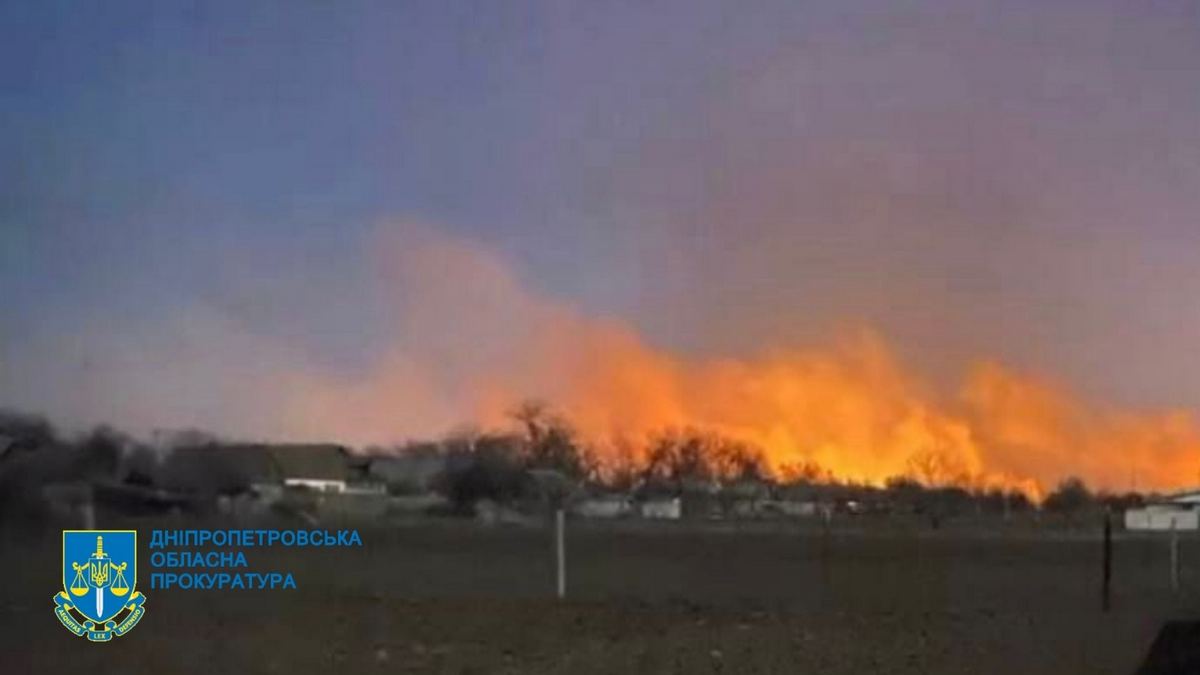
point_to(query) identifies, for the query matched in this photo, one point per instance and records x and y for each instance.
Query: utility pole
(560, 552)
(1106, 584)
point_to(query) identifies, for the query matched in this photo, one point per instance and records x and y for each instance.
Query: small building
(406, 473)
(745, 498)
(662, 508)
(321, 467)
(257, 468)
(1162, 518)
(788, 508)
(1187, 498)
(1180, 511)
(699, 499)
(219, 470)
(604, 506)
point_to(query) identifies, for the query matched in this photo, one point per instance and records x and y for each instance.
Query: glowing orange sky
(479, 346)
(469, 341)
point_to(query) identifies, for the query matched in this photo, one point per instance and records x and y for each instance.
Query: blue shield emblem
(99, 595)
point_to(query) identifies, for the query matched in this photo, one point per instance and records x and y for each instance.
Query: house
(407, 473)
(1187, 498)
(256, 467)
(1180, 511)
(745, 498)
(788, 508)
(323, 467)
(699, 498)
(219, 470)
(662, 508)
(1162, 517)
(604, 506)
(799, 500)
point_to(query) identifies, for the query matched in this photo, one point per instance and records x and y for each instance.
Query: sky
(201, 200)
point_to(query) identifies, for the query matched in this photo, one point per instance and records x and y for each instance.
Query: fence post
(1174, 556)
(1105, 591)
(827, 598)
(88, 511)
(560, 552)
(826, 518)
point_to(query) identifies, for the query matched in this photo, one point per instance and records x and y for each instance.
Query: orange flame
(480, 345)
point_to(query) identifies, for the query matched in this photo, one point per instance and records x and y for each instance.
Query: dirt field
(462, 598)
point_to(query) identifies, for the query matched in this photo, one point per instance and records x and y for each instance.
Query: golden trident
(98, 566)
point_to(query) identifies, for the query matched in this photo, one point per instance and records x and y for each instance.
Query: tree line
(508, 466)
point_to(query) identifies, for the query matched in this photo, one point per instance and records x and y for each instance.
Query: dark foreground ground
(462, 598)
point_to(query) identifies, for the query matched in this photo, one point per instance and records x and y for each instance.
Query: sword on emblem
(99, 574)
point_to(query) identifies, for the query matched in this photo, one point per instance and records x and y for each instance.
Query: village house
(1180, 511)
(323, 467)
(662, 508)
(614, 505)
(219, 470)
(745, 498)
(406, 474)
(256, 469)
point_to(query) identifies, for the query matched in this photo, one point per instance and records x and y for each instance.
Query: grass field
(459, 597)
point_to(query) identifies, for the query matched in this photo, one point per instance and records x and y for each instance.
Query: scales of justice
(99, 572)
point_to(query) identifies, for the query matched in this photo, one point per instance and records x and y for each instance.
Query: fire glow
(849, 410)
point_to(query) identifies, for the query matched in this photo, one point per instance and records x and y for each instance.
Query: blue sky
(1012, 180)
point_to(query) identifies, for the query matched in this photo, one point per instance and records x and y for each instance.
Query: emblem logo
(99, 581)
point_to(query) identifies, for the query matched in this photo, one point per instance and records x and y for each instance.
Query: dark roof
(321, 461)
(1185, 497)
(406, 468)
(225, 469)
(219, 468)
(11, 446)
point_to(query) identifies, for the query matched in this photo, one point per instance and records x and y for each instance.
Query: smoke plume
(468, 341)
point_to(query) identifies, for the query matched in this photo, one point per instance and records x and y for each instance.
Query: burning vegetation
(468, 467)
(846, 410)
